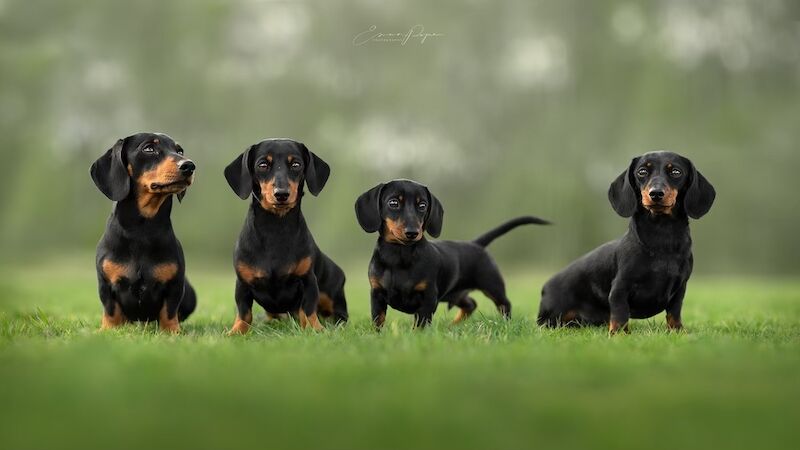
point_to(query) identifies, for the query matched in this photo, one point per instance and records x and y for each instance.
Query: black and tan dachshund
(413, 275)
(277, 262)
(646, 271)
(140, 265)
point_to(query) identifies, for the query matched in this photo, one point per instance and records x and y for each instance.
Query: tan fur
(569, 316)
(375, 283)
(165, 272)
(249, 273)
(379, 321)
(301, 267)
(614, 327)
(269, 203)
(242, 324)
(325, 306)
(310, 320)
(421, 286)
(461, 315)
(166, 323)
(148, 199)
(394, 231)
(114, 320)
(673, 323)
(115, 271)
(665, 205)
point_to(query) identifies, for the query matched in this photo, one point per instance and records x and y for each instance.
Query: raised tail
(487, 238)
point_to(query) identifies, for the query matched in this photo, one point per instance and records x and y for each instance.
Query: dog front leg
(674, 309)
(308, 308)
(424, 316)
(620, 309)
(168, 317)
(378, 305)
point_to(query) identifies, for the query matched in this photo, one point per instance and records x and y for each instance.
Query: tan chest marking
(421, 286)
(115, 271)
(249, 273)
(301, 267)
(165, 272)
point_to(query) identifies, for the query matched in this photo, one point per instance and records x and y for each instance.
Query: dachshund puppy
(413, 275)
(276, 260)
(646, 271)
(140, 265)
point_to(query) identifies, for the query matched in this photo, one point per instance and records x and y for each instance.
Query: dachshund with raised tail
(645, 272)
(410, 273)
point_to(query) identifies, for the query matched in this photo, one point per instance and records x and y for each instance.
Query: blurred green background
(515, 107)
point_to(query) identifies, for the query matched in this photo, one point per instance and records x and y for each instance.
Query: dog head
(661, 183)
(147, 166)
(275, 171)
(402, 210)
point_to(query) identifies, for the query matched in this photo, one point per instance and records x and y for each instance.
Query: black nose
(411, 234)
(281, 195)
(656, 194)
(186, 167)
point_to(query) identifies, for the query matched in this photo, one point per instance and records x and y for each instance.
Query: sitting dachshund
(140, 266)
(646, 271)
(413, 275)
(277, 262)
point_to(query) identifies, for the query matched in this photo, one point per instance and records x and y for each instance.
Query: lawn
(732, 380)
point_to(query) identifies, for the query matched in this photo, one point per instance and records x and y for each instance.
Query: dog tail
(495, 233)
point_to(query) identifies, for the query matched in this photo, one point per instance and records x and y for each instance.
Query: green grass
(730, 381)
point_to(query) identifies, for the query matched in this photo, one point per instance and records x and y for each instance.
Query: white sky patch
(537, 62)
(264, 39)
(690, 35)
(104, 75)
(628, 23)
(389, 148)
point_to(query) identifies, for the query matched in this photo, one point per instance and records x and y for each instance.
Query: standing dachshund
(413, 275)
(277, 262)
(646, 271)
(140, 266)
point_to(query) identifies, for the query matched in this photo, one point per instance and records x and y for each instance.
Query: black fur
(410, 273)
(138, 253)
(646, 271)
(275, 240)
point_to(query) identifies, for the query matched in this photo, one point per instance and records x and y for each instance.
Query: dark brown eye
(642, 172)
(675, 172)
(422, 206)
(179, 150)
(148, 149)
(393, 203)
(295, 165)
(263, 164)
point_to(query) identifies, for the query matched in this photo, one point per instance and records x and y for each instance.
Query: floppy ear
(622, 193)
(699, 196)
(368, 209)
(110, 175)
(238, 174)
(433, 222)
(317, 170)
